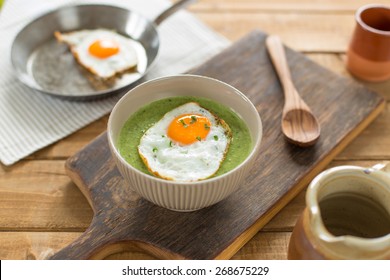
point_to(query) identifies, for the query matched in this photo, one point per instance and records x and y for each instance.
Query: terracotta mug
(347, 216)
(368, 56)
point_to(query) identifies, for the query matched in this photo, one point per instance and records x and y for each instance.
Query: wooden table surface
(42, 210)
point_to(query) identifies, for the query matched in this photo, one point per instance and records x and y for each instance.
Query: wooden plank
(336, 63)
(373, 143)
(342, 118)
(332, 62)
(296, 6)
(313, 32)
(285, 220)
(37, 195)
(265, 246)
(33, 245)
(41, 245)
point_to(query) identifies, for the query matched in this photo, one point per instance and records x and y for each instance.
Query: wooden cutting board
(122, 220)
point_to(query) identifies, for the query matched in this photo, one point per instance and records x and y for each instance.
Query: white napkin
(31, 120)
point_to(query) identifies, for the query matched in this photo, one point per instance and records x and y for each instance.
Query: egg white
(80, 41)
(173, 161)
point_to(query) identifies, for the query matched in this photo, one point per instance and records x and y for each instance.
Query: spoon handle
(278, 57)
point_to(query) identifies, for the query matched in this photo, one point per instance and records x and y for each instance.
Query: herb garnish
(215, 137)
(206, 126)
(183, 123)
(155, 149)
(193, 119)
(198, 138)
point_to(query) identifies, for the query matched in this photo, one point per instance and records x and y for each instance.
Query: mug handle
(382, 166)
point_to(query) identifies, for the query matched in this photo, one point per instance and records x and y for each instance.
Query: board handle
(94, 244)
(98, 242)
(87, 246)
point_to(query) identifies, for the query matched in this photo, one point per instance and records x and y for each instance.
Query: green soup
(144, 118)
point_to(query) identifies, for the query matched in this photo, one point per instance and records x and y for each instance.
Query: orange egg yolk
(189, 128)
(103, 48)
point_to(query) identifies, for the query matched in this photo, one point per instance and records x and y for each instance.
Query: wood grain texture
(123, 219)
(373, 143)
(313, 32)
(41, 198)
(33, 245)
(296, 6)
(41, 245)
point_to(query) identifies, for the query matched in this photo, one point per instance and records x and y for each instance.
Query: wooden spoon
(299, 125)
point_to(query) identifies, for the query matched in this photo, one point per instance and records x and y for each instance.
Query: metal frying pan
(45, 65)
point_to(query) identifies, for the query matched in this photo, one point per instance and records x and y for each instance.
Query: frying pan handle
(175, 7)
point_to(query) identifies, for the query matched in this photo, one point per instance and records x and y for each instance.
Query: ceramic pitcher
(368, 55)
(347, 216)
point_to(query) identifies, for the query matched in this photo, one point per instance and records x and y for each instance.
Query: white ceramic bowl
(184, 196)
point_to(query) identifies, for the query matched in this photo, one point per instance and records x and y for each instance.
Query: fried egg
(188, 144)
(103, 52)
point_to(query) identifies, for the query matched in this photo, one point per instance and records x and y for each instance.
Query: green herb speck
(215, 137)
(183, 123)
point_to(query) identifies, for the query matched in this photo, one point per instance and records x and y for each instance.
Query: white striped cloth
(31, 120)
